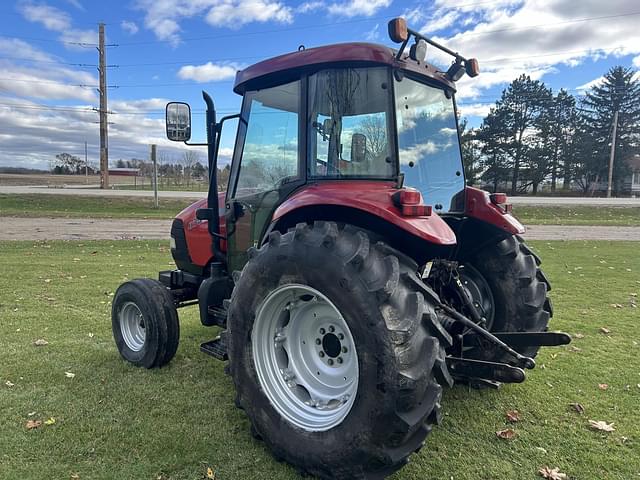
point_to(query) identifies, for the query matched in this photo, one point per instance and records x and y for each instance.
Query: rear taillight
(409, 201)
(500, 200)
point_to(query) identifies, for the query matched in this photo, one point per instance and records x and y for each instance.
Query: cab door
(266, 168)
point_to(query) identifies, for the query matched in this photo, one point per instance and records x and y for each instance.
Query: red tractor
(352, 272)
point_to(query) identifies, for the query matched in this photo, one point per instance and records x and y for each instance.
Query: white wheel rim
(132, 326)
(305, 357)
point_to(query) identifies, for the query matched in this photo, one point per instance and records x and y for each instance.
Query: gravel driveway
(14, 228)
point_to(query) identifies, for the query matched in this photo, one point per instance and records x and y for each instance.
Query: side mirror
(358, 147)
(178, 121)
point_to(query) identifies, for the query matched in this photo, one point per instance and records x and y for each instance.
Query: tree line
(532, 136)
(186, 170)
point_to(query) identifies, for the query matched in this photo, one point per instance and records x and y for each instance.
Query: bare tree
(188, 160)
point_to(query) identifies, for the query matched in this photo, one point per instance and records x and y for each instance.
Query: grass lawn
(117, 421)
(569, 215)
(50, 205)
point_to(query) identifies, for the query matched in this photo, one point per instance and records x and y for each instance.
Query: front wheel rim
(132, 326)
(305, 357)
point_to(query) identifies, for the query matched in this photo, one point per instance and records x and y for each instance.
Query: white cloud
(473, 109)
(235, 13)
(31, 137)
(130, 27)
(592, 83)
(49, 81)
(56, 20)
(76, 4)
(511, 37)
(163, 16)
(208, 72)
(49, 17)
(636, 62)
(353, 8)
(311, 6)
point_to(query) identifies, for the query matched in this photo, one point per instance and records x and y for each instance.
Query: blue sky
(172, 49)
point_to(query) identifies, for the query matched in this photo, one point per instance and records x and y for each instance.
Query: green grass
(42, 205)
(50, 205)
(117, 421)
(587, 215)
(192, 187)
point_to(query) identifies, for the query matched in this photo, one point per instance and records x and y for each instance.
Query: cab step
(217, 316)
(217, 347)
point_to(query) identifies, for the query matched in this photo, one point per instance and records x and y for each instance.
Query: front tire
(395, 351)
(519, 288)
(144, 321)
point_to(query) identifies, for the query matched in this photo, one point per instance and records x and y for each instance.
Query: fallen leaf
(50, 421)
(69, 374)
(210, 473)
(41, 342)
(577, 407)
(552, 473)
(601, 425)
(506, 434)
(9, 384)
(75, 476)
(47, 280)
(578, 335)
(31, 414)
(605, 330)
(543, 450)
(603, 386)
(90, 335)
(513, 416)
(575, 349)
(31, 424)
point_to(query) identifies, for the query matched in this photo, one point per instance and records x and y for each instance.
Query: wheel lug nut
(321, 354)
(344, 349)
(332, 329)
(322, 331)
(339, 359)
(330, 362)
(341, 336)
(318, 342)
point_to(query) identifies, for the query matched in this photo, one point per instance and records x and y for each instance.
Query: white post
(155, 176)
(612, 154)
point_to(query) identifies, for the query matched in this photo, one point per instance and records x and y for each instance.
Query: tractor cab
(361, 120)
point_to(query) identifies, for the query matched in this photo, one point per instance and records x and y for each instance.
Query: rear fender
(366, 203)
(478, 205)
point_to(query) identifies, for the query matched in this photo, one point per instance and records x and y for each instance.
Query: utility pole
(155, 176)
(86, 164)
(104, 134)
(612, 154)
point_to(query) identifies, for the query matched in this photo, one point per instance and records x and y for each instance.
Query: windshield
(428, 143)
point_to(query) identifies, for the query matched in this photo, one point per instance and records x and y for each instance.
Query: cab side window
(270, 157)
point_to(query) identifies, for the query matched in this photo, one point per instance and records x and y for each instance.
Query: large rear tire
(301, 291)
(519, 288)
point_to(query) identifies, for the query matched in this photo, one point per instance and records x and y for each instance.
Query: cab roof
(290, 66)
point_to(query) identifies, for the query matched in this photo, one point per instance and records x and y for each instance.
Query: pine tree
(521, 109)
(618, 91)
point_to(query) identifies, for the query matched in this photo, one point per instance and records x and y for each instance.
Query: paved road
(96, 192)
(119, 229)
(617, 202)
